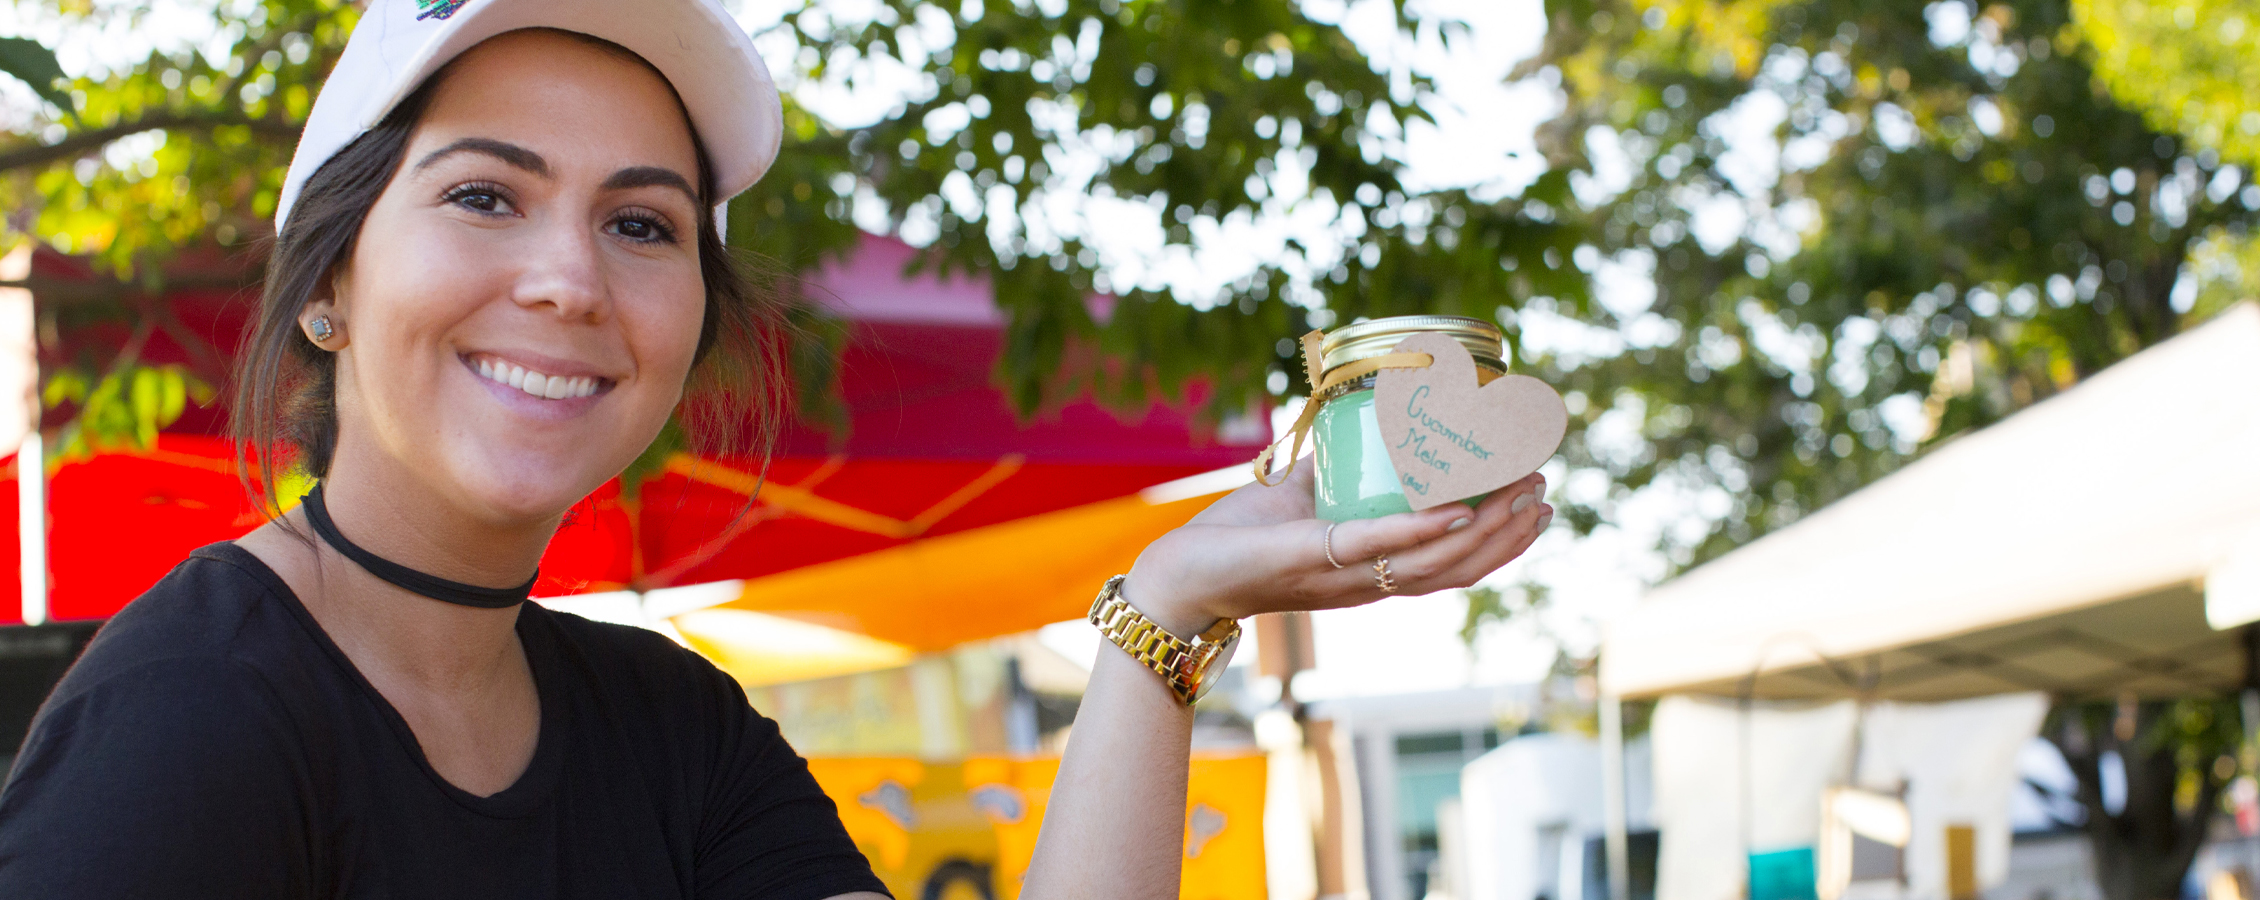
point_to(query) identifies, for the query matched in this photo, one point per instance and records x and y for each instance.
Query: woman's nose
(563, 272)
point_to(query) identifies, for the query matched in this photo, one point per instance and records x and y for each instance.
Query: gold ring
(1381, 577)
(1328, 544)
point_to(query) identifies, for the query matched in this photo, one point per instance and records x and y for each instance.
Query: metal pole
(31, 525)
(2249, 705)
(1614, 843)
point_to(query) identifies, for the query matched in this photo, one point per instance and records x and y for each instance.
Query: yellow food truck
(965, 830)
(919, 760)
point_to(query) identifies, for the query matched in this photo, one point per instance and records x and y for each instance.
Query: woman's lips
(536, 383)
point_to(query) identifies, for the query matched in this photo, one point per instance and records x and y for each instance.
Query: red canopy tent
(933, 451)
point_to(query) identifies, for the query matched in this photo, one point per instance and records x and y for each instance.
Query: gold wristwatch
(1190, 668)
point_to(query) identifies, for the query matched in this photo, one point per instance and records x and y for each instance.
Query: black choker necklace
(408, 579)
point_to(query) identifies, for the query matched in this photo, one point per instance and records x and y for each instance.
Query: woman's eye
(643, 229)
(479, 198)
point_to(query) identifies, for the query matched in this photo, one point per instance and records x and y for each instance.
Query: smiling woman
(289, 394)
(497, 275)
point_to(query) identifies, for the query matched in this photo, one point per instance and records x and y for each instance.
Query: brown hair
(286, 388)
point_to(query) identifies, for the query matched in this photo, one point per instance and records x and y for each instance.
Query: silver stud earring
(320, 329)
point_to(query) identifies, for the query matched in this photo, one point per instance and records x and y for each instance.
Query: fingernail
(1544, 519)
(1523, 502)
(1457, 524)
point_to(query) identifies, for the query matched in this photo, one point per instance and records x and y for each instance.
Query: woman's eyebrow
(651, 176)
(505, 151)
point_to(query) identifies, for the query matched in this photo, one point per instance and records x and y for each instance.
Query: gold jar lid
(1374, 337)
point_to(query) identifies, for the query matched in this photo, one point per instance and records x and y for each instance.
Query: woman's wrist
(1160, 599)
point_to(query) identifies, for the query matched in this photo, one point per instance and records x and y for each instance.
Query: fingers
(1426, 551)
(1365, 539)
(1236, 569)
(1504, 526)
(1487, 559)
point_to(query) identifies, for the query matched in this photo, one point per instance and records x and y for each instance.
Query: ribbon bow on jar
(1323, 381)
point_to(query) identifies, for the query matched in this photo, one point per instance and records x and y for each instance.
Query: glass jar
(1355, 478)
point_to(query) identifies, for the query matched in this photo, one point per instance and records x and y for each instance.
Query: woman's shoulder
(213, 594)
(219, 618)
(163, 737)
(158, 720)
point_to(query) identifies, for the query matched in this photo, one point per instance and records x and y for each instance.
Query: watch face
(1213, 672)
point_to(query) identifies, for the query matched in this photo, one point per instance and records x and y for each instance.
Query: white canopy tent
(2104, 541)
(2065, 549)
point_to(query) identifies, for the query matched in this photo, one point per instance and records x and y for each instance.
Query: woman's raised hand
(1260, 549)
(1115, 827)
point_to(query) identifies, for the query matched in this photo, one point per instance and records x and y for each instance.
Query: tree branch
(84, 141)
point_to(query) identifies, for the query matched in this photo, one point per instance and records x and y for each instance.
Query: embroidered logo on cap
(438, 9)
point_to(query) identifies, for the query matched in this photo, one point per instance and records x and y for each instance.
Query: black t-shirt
(213, 742)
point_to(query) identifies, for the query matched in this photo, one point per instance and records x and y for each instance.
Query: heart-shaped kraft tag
(1452, 439)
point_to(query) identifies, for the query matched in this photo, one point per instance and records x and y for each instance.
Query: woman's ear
(321, 319)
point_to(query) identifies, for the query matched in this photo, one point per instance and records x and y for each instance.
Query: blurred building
(1531, 823)
(1842, 705)
(1409, 752)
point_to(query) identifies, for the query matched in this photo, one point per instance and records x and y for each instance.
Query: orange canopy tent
(940, 518)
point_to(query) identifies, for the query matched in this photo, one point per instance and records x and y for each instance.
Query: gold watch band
(1181, 664)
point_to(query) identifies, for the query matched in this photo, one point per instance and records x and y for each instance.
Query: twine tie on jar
(1320, 384)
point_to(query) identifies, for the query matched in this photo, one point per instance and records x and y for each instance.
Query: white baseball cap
(693, 43)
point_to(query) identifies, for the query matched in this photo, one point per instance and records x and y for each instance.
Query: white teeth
(549, 387)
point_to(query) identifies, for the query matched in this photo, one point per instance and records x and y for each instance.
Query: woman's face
(522, 305)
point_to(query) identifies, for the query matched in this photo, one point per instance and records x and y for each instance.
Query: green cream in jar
(1355, 478)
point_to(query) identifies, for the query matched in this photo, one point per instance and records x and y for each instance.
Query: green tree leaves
(2188, 67)
(122, 409)
(1933, 219)
(1036, 116)
(179, 153)
(32, 63)
(184, 149)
